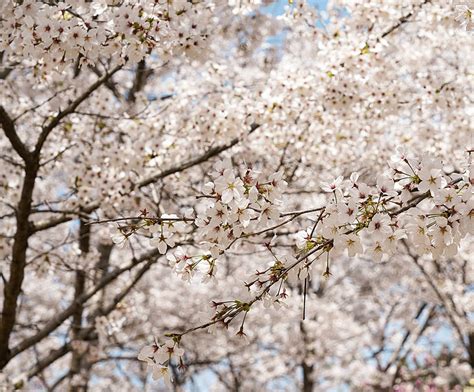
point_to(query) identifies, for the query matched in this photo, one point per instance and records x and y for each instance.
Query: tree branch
(193, 162)
(12, 287)
(36, 227)
(72, 106)
(10, 131)
(56, 321)
(404, 19)
(52, 357)
(440, 296)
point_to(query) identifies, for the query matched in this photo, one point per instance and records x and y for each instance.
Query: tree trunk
(12, 287)
(308, 383)
(78, 356)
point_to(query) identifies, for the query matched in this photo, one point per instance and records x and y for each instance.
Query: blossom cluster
(464, 15)
(331, 89)
(416, 200)
(60, 33)
(237, 206)
(158, 357)
(165, 232)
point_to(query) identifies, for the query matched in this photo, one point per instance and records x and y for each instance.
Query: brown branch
(10, 131)
(37, 106)
(52, 357)
(382, 337)
(12, 287)
(119, 297)
(307, 365)
(440, 296)
(67, 217)
(419, 332)
(70, 108)
(404, 19)
(404, 340)
(109, 83)
(57, 320)
(141, 76)
(6, 69)
(36, 227)
(193, 162)
(84, 334)
(79, 288)
(59, 381)
(12, 162)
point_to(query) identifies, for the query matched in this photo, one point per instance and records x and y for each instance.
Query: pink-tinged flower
(177, 258)
(220, 167)
(447, 197)
(354, 177)
(163, 241)
(467, 216)
(330, 227)
(229, 187)
(276, 187)
(465, 16)
(379, 226)
(332, 186)
(431, 180)
(351, 242)
(390, 244)
(361, 191)
(302, 238)
(385, 186)
(218, 214)
(240, 212)
(376, 251)
(161, 372)
(146, 354)
(208, 188)
(347, 212)
(120, 238)
(270, 214)
(441, 232)
(418, 234)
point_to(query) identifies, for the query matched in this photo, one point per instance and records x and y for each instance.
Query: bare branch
(440, 296)
(52, 357)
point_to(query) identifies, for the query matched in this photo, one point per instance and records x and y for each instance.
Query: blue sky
(278, 7)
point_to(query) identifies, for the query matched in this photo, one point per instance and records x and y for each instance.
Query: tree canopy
(236, 195)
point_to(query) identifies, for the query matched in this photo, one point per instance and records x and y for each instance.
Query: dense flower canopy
(236, 195)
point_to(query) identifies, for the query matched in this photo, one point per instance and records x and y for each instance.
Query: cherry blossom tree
(236, 195)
